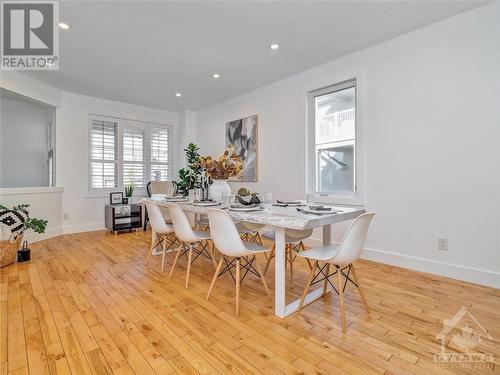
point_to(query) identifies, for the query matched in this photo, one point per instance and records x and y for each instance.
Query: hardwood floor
(86, 304)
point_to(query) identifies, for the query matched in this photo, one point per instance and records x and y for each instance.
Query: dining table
(280, 218)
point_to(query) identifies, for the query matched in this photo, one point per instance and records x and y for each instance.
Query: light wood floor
(87, 304)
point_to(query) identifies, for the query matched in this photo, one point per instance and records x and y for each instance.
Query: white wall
(84, 211)
(27, 86)
(186, 135)
(45, 203)
(24, 142)
(430, 115)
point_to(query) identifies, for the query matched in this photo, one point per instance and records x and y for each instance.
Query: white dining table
(279, 219)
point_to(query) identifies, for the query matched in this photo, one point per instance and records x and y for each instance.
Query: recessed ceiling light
(178, 94)
(216, 75)
(274, 46)
(63, 25)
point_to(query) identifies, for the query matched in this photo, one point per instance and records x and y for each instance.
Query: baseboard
(49, 233)
(454, 271)
(32, 237)
(90, 227)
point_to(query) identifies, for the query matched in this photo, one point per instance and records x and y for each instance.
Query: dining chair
(193, 241)
(249, 232)
(236, 254)
(342, 258)
(158, 187)
(293, 244)
(202, 223)
(161, 232)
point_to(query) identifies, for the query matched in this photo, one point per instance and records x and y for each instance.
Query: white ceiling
(143, 52)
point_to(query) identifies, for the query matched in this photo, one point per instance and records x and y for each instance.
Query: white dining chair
(342, 258)
(192, 241)
(202, 223)
(161, 233)
(293, 244)
(249, 232)
(236, 254)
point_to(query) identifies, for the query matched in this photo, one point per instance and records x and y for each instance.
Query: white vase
(220, 189)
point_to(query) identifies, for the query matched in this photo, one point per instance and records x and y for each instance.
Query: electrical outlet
(442, 243)
(66, 216)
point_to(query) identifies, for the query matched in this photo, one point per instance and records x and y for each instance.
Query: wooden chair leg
(164, 248)
(287, 259)
(271, 256)
(308, 284)
(259, 239)
(188, 271)
(212, 253)
(309, 263)
(175, 261)
(341, 299)
(325, 283)
(153, 240)
(216, 275)
(290, 259)
(238, 287)
(360, 289)
(259, 270)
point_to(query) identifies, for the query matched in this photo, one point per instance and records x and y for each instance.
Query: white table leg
(196, 220)
(279, 302)
(281, 309)
(327, 240)
(327, 234)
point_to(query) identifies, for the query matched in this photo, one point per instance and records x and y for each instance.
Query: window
(333, 131)
(160, 154)
(133, 157)
(103, 154)
(124, 152)
(50, 153)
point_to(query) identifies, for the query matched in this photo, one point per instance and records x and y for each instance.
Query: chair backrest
(156, 218)
(181, 224)
(299, 234)
(354, 240)
(224, 234)
(160, 187)
(251, 226)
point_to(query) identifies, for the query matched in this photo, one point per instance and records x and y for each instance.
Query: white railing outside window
(337, 125)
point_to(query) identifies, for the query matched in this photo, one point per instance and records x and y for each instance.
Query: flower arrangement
(226, 166)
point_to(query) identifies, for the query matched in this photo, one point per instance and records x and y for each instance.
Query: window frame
(357, 196)
(169, 164)
(89, 156)
(124, 123)
(143, 128)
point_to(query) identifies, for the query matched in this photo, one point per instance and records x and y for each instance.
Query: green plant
(36, 225)
(129, 190)
(243, 192)
(188, 176)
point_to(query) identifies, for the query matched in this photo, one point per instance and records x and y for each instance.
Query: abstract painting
(242, 134)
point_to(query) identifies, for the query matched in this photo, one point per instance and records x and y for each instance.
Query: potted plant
(129, 191)
(189, 175)
(245, 197)
(14, 222)
(220, 170)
